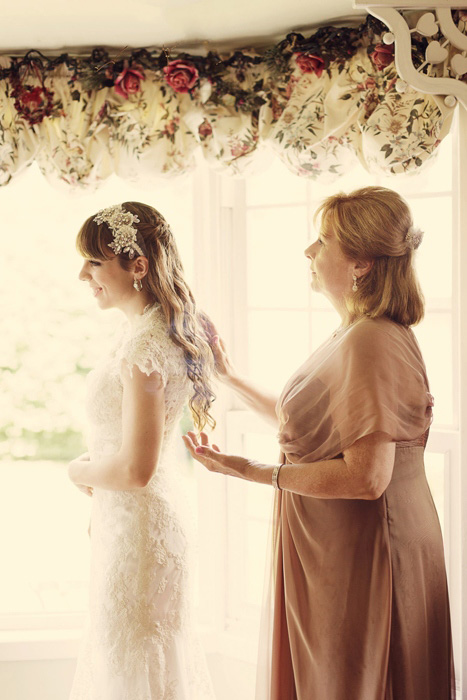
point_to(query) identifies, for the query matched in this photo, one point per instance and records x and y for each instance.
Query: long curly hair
(166, 284)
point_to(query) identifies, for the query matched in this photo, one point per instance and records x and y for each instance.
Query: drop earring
(354, 286)
(137, 284)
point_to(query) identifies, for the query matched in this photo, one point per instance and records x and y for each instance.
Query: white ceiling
(56, 24)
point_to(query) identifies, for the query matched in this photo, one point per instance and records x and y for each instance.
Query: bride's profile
(141, 643)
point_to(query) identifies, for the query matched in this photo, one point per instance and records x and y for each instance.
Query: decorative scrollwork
(430, 50)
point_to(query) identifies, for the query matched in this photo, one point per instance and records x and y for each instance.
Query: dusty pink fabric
(361, 607)
(369, 377)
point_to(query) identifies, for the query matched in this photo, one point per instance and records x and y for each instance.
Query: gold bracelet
(275, 476)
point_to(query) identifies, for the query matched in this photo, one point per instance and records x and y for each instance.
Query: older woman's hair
(372, 224)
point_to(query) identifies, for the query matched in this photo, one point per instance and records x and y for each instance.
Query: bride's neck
(135, 306)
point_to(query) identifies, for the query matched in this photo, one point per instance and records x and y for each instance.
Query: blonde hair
(165, 282)
(371, 224)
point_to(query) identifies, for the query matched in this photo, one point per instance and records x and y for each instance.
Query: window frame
(449, 441)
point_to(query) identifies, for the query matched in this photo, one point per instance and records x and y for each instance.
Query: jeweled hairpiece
(414, 237)
(124, 233)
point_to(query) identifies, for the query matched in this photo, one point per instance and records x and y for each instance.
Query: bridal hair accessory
(137, 284)
(121, 223)
(414, 237)
(354, 286)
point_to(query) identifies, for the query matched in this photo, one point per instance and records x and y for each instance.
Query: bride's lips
(96, 290)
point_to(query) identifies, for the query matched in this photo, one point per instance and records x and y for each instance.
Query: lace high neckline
(141, 319)
(148, 308)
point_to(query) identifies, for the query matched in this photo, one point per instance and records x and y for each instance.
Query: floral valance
(318, 102)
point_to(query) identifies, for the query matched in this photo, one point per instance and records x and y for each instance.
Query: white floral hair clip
(124, 233)
(414, 237)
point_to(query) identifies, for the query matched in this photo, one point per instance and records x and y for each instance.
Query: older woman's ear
(364, 266)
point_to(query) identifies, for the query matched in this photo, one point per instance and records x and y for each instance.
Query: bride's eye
(94, 262)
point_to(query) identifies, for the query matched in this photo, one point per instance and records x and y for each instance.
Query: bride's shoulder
(148, 345)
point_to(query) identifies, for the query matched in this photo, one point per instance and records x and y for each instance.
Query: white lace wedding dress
(141, 642)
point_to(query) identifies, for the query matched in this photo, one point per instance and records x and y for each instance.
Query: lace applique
(150, 347)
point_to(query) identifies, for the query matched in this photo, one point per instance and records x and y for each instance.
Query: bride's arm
(143, 416)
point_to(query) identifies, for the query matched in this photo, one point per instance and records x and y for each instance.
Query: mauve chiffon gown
(361, 608)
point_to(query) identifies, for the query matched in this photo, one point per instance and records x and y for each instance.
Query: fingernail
(199, 450)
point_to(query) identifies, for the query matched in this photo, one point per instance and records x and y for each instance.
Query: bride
(141, 643)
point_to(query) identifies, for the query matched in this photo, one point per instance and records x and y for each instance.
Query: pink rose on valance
(128, 82)
(309, 63)
(181, 75)
(382, 56)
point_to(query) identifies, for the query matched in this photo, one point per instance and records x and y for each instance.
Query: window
(52, 334)
(280, 321)
(242, 244)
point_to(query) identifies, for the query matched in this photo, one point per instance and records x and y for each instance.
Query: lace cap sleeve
(148, 348)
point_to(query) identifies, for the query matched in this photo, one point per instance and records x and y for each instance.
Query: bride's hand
(212, 458)
(73, 473)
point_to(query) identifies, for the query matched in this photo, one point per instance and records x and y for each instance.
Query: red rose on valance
(33, 103)
(181, 75)
(309, 63)
(205, 129)
(128, 82)
(382, 56)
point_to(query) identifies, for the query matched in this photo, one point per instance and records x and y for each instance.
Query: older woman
(361, 603)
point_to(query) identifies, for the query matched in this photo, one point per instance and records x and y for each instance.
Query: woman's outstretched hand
(213, 459)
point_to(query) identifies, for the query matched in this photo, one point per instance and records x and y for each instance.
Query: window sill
(39, 645)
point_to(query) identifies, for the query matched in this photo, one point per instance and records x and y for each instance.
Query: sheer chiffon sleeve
(369, 378)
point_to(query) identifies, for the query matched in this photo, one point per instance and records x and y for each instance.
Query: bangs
(92, 241)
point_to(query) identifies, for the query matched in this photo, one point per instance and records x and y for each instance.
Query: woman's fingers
(203, 453)
(209, 327)
(193, 437)
(191, 442)
(218, 346)
(204, 439)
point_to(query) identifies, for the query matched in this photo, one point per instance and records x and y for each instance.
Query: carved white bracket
(446, 49)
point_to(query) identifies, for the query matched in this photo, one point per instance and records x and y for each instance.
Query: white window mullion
(209, 265)
(461, 351)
